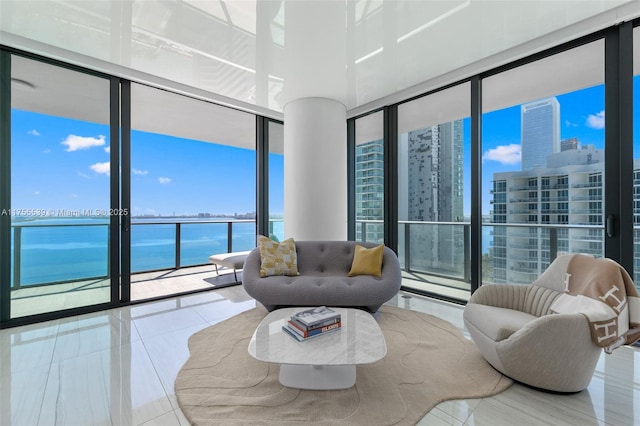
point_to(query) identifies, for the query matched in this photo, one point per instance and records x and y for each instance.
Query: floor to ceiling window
(276, 180)
(433, 190)
(60, 188)
(192, 182)
(543, 163)
(636, 154)
(369, 178)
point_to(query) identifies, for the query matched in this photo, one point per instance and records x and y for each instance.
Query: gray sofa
(323, 280)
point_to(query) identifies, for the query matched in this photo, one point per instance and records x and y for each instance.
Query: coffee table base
(317, 377)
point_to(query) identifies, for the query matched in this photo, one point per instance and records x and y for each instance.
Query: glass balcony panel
(153, 246)
(433, 191)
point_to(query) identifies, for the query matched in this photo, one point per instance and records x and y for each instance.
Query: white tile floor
(117, 367)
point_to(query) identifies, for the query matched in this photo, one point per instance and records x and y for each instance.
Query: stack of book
(312, 323)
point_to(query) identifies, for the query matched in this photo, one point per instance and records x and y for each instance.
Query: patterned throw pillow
(277, 258)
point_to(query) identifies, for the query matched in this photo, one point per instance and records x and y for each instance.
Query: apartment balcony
(587, 185)
(586, 211)
(433, 253)
(523, 188)
(586, 198)
(521, 258)
(522, 246)
(61, 266)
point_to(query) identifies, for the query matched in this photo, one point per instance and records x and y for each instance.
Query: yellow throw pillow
(277, 258)
(367, 261)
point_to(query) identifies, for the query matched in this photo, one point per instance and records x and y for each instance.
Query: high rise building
(370, 190)
(569, 143)
(568, 190)
(435, 194)
(540, 132)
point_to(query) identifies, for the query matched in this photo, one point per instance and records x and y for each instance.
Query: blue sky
(61, 163)
(581, 116)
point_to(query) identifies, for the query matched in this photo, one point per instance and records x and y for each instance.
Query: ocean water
(54, 250)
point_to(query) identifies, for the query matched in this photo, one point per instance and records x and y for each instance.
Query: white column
(315, 129)
(315, 169)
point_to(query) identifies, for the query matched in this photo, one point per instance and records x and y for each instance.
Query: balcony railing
(421, 245)
(441, 249)
(53, 253)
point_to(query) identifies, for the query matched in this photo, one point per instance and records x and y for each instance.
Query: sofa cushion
(277, 258)
(496, 323)
(367, 261)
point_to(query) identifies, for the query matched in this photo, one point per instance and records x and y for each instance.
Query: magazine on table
(315, 317)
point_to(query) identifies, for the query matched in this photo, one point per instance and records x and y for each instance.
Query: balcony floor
(146, 285)
(118, 367)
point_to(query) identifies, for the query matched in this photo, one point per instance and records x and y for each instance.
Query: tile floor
(117, 367)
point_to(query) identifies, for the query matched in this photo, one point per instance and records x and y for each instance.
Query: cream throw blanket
(604, 292)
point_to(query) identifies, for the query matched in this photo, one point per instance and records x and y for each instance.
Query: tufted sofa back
(326, 258)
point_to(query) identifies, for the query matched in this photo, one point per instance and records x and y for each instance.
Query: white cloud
(503, 154)
(570, 124)
(596, 121)
(83, 175)
(36, 192)
(139, 172)
(74, 143)
(102, 168)
(46, 151)
(164, 180)
(107, 149)
(33, 132)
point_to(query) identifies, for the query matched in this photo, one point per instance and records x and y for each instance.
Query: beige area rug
(428, 361)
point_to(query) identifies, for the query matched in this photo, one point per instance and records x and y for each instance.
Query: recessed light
(22, 83)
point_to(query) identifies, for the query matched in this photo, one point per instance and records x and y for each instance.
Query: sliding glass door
(60, 184)
(434, 191)
(193, 190)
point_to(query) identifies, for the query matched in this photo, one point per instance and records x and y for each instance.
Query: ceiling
(258, 55)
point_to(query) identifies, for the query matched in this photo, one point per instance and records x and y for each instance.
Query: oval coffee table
(323, 362)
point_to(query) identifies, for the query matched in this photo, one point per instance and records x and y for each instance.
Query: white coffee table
(324, 362)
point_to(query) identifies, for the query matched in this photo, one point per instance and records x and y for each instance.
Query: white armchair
(518, 335)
